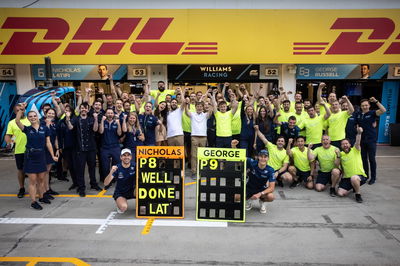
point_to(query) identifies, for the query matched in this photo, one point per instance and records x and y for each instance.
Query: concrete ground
(301, 227)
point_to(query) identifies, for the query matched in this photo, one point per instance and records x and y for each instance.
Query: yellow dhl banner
(99, 36)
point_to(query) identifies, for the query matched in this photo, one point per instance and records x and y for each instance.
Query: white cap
(126, 151)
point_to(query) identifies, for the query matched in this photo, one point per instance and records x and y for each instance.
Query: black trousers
(68, 156)
(83, 158)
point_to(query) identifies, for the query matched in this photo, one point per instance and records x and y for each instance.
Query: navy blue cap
(263, 152)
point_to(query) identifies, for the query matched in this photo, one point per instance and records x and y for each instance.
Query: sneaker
(280, 183)
(96, 187)
(52, 192)
(48, 196)
(45, 200)
(249, 205)
(21, 193)
(82, 194)
(263, 207)
(108, 186)
(358, 198)
(119, 211)
(36, 206)
(73, 186)
(294, 184)
(371, 182)
(332, 192)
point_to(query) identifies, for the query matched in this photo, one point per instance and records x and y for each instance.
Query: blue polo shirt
(36, 139)
(125, 178)
(258, 178)
(110, 136)
(64, 135)
(289, 133)
(351, 130)
(365, 121)
(132, 141)
(148, 123)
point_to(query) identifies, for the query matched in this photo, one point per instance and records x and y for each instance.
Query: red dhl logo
(21, 43)
(347, 42)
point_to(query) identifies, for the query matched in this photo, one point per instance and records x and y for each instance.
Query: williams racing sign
(200, 36)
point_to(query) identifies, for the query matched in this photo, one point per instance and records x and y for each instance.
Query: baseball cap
(263, 152)
(126, 151)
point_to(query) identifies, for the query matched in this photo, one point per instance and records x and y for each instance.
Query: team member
(265, 124)
(247, 133)
(35, 156)
(328, 157)
(174, 124)
(110, 128)
(133, 136)
(302, 167)
(261, 180)
(84, 128)
(289, 130)
(125, 175)
(162, 91)
(367, 119)
(187, 128)
(20, 141)
(337, 120)
(351, 130)
(223, 119)
(314, 125)
(353, 173)
(198, 131)
(66, 143)
(51, 125)
(279, 159)
(161, 113)
(300, 115)
(284, 114)
(148, 122)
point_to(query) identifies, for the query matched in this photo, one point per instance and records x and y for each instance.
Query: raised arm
(214, 102)
(288, 150)
(68, 120)
(319, 92)
(101, 126)
(18, 118)
(381, 109)
(234, 105)
(260, 135)
(327, 110)
(96, 122)
(78, 101)
(110, 176)
(119, 130)
(55, 103)
(358, 138)
(112, 87)
(350, 111)
(124, 127)
(310, 155)
(276, 121)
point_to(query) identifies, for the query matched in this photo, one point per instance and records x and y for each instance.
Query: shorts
(302, 175)
(127, 195)
(251, 191)
(279, 175)
(345, 183)
(323, 178)
(19, 161)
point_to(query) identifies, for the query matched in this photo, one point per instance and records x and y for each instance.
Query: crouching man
(125, 174)
(261, 180)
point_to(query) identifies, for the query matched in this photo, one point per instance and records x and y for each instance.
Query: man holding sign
(261, 180)
(125, 172)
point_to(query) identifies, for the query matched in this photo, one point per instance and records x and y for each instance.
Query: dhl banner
(199, 36)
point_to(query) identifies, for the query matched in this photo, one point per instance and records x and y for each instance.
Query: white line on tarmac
(116, 222)
(104, 226)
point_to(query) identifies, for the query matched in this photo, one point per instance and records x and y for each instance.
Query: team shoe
(332, 192)
(263, 207)
(371, 182)
(21, 193)
(48, 196)
(82, 194)
(52, 192)
(96, 187)
(249, 205)
(294, 184)
(119, 211)
(358, 198)
(45, 200)
(36, 206)
(280, 182)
